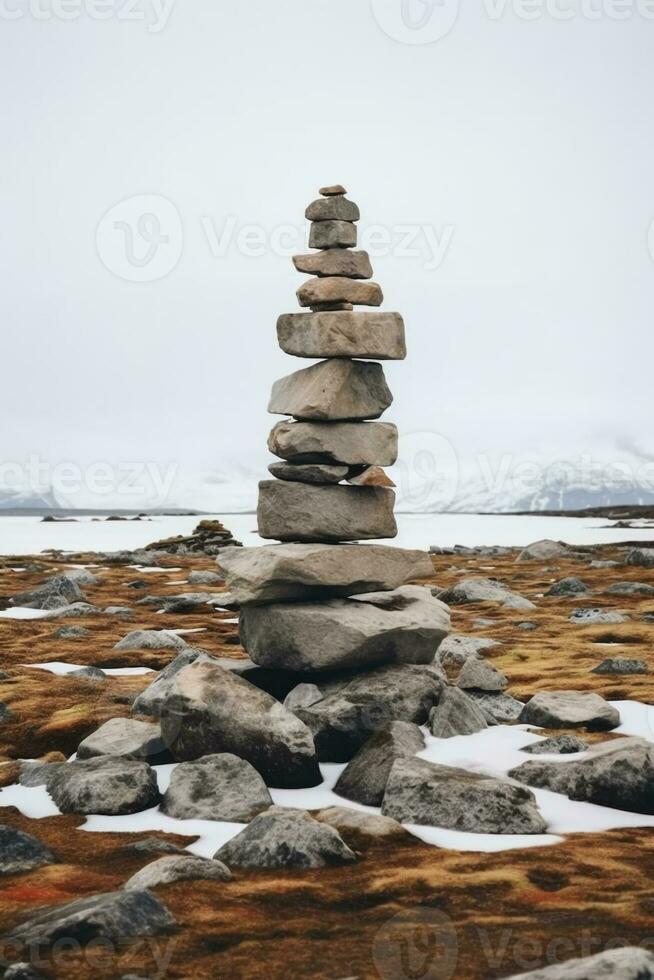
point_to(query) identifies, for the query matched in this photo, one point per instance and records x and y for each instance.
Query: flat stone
(331, 189)
(481, 676)
(125, 738)
(456, 714)
(477, 589)
(216, 787)
(21, 852)
(556, 745)
(308, 472)
(596, 617)
(210, 710)
(443, 796)
(498, 706)
(285, 838)
(626, 963)
(618, 773)
(568, 586)
(104, 785)
(279, 572)
(204, 578)
(150, 640)
(457, 648)
(333, 207)
(371, 476)
(570, 709)
(339, 289)
(89, 673)
(333, 390)
(351, 443)
(113, 916)
(364, 778)
(621, 665)
(402, 626)
(177, 867)
(346, 819)
(333, 234)
(630, 588)
(335, 262)
(543, 550)
(298, 512)
(378, 335)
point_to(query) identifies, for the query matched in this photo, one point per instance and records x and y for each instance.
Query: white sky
(528, 145)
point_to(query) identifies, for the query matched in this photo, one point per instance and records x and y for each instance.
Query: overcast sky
(503, 171)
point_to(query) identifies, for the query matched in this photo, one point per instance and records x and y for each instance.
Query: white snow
(61, 668)
(24, 612)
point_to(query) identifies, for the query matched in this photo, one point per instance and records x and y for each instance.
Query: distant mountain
(28, 500)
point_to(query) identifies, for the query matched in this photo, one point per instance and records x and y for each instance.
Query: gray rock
(123, 612)
(627, 963)
(480, 675)
(302, 696)
(527, 627)
(300, 512)
(339, 289)
(90, 673)
(556, 745)
(332, 234)
(345, 819)
(73, 611)
(402, 626)
(364, 778)
(204, 578)
(285, 838)
(56, 592)
(456, 714)
(351, 443)
(643, 557)
(620, 665)
(104, 785)
(180, 867)
(6, 714)
(618, 773)
(37, 773)
(599, 563)
(424, 793)
(568, 586)
(308, 472)
(153, 845)
(210, 710)
(150, 700)
(150, 640)
(216, 787)
(498, 707)
(630, 588)
(456, 648)
(125, 738)
(81, 576)
(113, 916)
(334, 208)
(331, 391)
(21, 852)
(71, 633)
(543, 550)
(368, 703)
(375, 335)
(335, 262)
(476, 589)
(590, 617)
(282, 572)
(570, 709)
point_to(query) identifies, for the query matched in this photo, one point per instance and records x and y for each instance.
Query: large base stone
(379, 336)
(403, 626)
(364, 778)
(282, 572)
(351, 443)
(331, 391)
(301, 512)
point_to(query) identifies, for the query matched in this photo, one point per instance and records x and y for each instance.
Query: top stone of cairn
(332, 190)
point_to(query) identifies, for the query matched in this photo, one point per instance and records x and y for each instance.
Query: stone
(375, 335)
(282, 572)
(568, 586)
(333, 234)
(339, 289)
(618, 773)
(601, 563)
(105, 785)
(630, 588)
(621, 665)
(113, 916)
(626, 963)
(285, 838)
(456, 714)
(150, 700)
(204, 578)
(124, 612)
(556, 745)
(335, 262)
(55, 593)
(345, 819)
(37, 773)
(126, 739)
(22, 971)
(570, 709)
(210, 710)
(498, 706)
(150, 640)
(476, 589)
(180, 867)
(402, 626)
(21, 852)
(299, 512)
(154, 845)
(357, 707)
(425, 793)
(216, 787)
(70, 633)
(543, 550)
(643, 557)
(351, 443)
(596, 616)
(335, 208)
(308, 472)
(364, 778)
(74, 610)
(332, 189)
(302, 696)
(457, 648)
(331, 391)
(481, 675)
